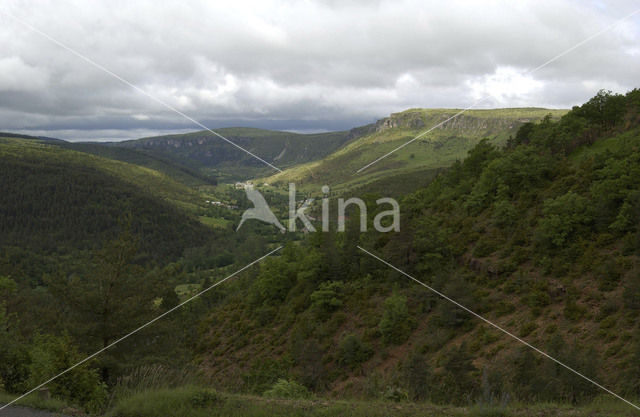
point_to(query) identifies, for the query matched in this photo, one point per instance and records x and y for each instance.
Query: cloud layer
(298, 65)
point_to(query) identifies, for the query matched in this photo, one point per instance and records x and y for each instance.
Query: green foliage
(416, 376)
(519, 171)
(505, 214)
(111, 299)
(444, 147)
(562, 200)
(277, 276)
(8, 287)
(287, 389)
(631, 294)
(484, 411)
(572, 310)
(395, 394)
(543, 380)
(538, 213)
(205, 398)
(55, 200)
(394, 324)
(605, 109)
(352, 351)
(50, 355)
(14, 357)
(308, 357)
(263, 373)
(188, 400)
(152, 377)
(564, 217)
(327, 298)
(170, 299)
(14, 363)
(450, 315)
(458, 382)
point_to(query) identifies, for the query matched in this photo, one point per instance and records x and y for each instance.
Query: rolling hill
(180, 173)
(58, 200)
(439, 148)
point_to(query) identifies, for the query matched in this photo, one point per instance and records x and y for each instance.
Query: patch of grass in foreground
(34, 401)
(194, 401)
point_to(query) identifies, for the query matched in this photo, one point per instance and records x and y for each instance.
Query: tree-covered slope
(180, 173)
(540, 236)
(57, 200)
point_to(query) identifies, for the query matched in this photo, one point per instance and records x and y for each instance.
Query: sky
(297, 65)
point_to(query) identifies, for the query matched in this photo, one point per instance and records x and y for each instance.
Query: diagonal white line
(499, 328)
(531, 71)
(140, 328)
(135, 87)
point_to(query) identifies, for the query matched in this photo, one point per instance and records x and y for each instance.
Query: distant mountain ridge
(201, 157)
(212, 155)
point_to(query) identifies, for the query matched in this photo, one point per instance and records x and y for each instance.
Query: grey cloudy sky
(307, 65)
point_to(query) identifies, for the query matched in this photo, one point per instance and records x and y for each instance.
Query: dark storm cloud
(298, 65)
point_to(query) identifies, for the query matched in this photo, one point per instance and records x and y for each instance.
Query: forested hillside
(87, 252)
(181, 173)
(542, 237)
(55, 202)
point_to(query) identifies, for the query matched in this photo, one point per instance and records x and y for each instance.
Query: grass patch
(35, 401)
(179, 402)
(195, 401)
(185, 291)
(215, 222)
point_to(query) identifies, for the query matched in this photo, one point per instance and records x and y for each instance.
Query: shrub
(608, 274)
(504, 213)
(394, 324)
(485, 247)
(631, 293)
(572, 310)
(538, 299)
(204, 398)
(14, 366)
(563, 218)
(352, 351)
(14, 357)
(49, 356)
(287, 389)
(263, 374)
(274, 281)
(326, 298)
(416, 375)
(396, 394)
(527, 328)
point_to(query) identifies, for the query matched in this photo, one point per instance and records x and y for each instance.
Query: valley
(527, 216)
